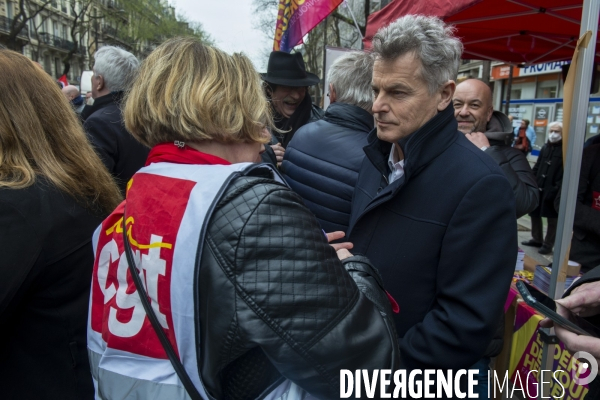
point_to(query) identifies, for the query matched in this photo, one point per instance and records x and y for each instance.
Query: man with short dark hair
(286, 85)
(114, 71)
(433, 213)
(491, 131)
(322, 160)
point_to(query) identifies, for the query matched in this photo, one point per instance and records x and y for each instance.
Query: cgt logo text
(431, 384)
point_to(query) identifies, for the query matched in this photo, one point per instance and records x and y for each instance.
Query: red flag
(298, 17)
(63, 81)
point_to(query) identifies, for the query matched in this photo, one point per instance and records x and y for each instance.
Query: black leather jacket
(276, 302)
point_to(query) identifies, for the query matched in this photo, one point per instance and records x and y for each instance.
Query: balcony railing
(5, 25)
(109, 30)
(115, 36)
(55, 41)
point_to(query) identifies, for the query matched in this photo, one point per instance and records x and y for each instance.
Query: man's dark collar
(420, 147)
(103, 101)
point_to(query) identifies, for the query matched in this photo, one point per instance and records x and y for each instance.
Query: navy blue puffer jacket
(322, 160)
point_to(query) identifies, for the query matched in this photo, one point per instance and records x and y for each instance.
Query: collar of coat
(349, 116)
(106, 100)
(420, 147)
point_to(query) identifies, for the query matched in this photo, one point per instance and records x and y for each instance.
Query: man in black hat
(286, 86)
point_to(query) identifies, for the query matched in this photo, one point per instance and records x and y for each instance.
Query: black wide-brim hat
(288, 70)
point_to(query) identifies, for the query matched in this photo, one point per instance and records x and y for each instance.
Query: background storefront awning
(514, 31)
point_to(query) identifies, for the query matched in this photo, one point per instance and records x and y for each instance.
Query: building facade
(536, 94)
(63, 35)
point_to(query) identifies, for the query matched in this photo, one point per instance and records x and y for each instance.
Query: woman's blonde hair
(191, 92)
(40, 135)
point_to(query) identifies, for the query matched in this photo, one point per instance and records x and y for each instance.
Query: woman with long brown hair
(54, 191)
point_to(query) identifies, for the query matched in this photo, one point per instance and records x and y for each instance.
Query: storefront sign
(502, 71)
(539, 69)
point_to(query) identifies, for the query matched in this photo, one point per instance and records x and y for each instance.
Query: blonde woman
(251, 299)
(54, 191)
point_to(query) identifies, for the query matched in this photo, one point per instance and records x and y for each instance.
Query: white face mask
(554, 137)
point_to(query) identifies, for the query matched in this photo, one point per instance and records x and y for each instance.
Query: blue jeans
(483, 366)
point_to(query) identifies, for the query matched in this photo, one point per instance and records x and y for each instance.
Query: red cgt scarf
(179, 153)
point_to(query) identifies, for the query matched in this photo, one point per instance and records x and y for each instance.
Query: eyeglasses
(554, 131)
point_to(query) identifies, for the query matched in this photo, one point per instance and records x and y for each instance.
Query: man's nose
(379, 105)
(297, 94)
(463, 111)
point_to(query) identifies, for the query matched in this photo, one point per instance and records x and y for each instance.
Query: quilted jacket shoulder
(276, 302)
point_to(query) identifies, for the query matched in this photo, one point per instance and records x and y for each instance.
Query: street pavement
(524, 227)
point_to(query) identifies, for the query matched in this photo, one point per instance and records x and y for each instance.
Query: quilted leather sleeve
(294, 298)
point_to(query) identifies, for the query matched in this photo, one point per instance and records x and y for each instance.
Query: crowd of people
(205, 231)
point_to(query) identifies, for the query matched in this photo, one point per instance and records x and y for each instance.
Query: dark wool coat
(513, 163)
(321, 163)
(119, 151)
(444, 237)
(548, 170)
(46, 264)
(585, 245)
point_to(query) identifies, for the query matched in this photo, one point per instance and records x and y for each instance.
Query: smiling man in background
(491, 131)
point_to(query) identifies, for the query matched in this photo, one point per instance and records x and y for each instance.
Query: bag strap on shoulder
(177, 365)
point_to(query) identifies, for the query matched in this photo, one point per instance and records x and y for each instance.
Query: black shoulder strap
(177, 365)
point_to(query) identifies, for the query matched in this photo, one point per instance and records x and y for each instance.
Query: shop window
(515, 94)
(547, 89)
(559, 112)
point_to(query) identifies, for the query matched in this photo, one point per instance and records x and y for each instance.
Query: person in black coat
(322, 160)
(585, 245)
(286, 83)
(549, 172)
(491, 131)
(435, 214)
(114, 69)
(592, 141)
(54, 191)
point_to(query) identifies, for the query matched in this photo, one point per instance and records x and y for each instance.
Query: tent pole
(508, 89)
(572, 164)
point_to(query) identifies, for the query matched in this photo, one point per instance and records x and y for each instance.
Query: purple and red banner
(295, 18)
(525, 369)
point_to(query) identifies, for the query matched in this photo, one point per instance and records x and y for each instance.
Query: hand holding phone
(548, 307)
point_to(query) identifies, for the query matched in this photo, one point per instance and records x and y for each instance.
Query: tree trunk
(508, 90)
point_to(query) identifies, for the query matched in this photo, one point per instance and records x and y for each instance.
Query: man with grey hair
(434, 214)
(114, 71)
(322, 160)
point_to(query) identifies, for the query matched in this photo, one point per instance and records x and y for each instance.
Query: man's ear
(332, 94)
(446, 94)
(100, 83)
(490, 112)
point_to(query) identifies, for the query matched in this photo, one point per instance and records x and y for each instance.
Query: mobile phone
(547, 307)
